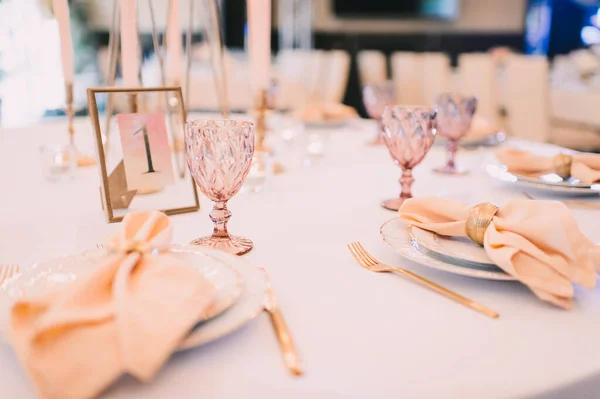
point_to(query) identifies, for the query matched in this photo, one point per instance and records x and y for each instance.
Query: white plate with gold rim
(234, 279)
(249, 305)
(395, 233)
(551, 182)
(456, 249)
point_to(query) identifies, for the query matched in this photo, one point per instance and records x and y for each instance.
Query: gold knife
(286, 342)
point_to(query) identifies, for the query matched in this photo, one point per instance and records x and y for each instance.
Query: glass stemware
(455, 113)
(408, 133)
(376, 97)
(219, 154)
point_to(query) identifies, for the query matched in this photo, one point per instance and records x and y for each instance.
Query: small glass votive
(261, 168)
(314, 146)
(58, 161)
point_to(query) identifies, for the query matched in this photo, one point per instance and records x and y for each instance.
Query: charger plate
(395, 233)
(550, 182)
(453, 249)
(239, 285)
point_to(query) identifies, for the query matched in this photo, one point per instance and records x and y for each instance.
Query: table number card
(146, 151)
(141, 171)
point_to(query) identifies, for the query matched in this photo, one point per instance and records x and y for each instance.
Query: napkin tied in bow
(537, 242)
(128, 315)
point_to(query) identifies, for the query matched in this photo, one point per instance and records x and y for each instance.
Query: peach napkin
(480, 128)
(585, 166)
(537, 242)
(126, 316)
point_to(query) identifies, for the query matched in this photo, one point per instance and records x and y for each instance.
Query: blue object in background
(560, 26)
(537, 26)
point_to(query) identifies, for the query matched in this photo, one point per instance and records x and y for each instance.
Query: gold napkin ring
(480, 217)
(562, 165)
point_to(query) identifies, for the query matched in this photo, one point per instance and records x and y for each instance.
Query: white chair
(407, 74)
(314, 75)
(304, 68)
(436, 76)
(527, 100)
(575, 121)
(477, 76)
(372, 67)
(332, 87)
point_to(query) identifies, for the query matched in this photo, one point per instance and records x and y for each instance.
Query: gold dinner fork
(7, 271)
(569, 202)
(370, 263)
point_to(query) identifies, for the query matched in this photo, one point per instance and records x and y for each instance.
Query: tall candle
(174, 44)
(259, 41)
(61, 12)
(129, 43)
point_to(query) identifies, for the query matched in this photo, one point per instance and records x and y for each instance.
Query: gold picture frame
(114, 192)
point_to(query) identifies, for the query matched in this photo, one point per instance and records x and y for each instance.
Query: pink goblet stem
(450, 167)
(451, 149)
(406, 182)
(220, 216)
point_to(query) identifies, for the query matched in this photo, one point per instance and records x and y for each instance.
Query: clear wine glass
(219, 154)
(376, 96)
(455, 114)
(408, 133)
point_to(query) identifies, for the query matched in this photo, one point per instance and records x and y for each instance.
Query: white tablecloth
(361, 334)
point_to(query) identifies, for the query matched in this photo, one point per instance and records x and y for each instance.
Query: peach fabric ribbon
(537, 242)
(585, 166)
(126, 316)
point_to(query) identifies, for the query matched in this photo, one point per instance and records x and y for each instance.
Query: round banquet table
(360, 334)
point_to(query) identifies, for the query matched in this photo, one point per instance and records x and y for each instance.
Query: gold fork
(7, 271)
(569, 202)
(370, 263)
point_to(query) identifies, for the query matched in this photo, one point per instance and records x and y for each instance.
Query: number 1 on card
(146, 151)
(147, 145)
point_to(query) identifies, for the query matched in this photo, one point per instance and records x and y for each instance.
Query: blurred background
(535, 61)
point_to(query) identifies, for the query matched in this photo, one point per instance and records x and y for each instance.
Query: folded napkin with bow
(537, 242)
(582, 166)
(125, 317)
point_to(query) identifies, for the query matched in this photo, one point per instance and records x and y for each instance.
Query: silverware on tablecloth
(370, 263)
(286, 343)
(569, 202)
(8, 271)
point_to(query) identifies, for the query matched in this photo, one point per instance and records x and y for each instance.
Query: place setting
(103, 308)
(483, 241)
(556, 171)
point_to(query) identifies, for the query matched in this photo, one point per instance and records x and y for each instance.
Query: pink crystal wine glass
(408, 133)
(455, 114)
(218, 154)
(376, 97)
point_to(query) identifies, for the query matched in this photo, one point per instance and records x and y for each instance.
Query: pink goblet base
(393, 204)
(221, 239)
(451, 170)
(231, 244)
(406, 182)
